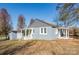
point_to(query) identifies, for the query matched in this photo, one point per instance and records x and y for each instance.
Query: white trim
(31, 33)
(32, 30)
(56, 31)
(25, 31)
(40, 30)
(43, 31)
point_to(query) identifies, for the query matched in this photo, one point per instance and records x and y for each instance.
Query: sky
(42, 11)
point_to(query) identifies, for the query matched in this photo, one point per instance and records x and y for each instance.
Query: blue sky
(43, 11)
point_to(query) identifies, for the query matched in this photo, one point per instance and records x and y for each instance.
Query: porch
(63, 33)
(27, 33)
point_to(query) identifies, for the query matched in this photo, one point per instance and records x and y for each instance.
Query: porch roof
(62, 28)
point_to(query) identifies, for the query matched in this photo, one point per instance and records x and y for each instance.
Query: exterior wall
(19, 36)
(51, 33)
(12, 36)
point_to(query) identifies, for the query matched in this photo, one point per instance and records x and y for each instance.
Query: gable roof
(40, 23)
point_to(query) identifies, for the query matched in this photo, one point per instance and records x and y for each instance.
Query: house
(39, 29)
(13, 35)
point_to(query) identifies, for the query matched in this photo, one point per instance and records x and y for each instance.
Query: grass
(39, 47)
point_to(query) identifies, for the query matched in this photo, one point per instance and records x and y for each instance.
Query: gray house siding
(39, 23)
(51, 33)
(19, 36)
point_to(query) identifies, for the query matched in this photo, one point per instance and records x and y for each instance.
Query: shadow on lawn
(13, 50)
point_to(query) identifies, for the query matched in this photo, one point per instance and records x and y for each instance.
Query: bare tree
(5, 22)
(21, 23)
(68, 13)
(1, 25)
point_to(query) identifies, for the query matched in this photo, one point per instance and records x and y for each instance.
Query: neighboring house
(13, 35)
(39, 29)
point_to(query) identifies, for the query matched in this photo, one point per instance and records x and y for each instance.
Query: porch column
(25, 32)
(59, 33)
(66, 34)
(21, 34)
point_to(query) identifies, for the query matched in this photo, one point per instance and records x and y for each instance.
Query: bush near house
(3, 37)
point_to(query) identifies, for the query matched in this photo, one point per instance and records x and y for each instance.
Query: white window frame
(43, 31)
(32, 30)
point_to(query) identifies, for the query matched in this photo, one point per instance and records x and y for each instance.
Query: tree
(68, 13)
(21, 23)
(5, 22)
(57, 21)
(1, 25)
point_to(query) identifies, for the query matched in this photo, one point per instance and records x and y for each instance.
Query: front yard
(39, 47)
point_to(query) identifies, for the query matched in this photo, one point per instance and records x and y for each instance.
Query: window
(43, 30)
(28, 32)
(23, 32)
